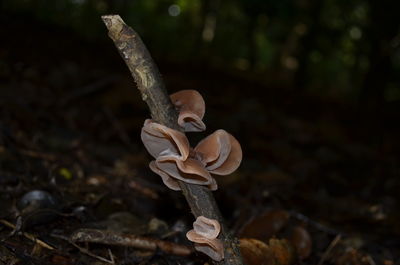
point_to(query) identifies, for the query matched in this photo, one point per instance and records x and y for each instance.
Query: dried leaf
(301, 241)
(282, 250)
(266, 226)
(351, 256)
(255, 252)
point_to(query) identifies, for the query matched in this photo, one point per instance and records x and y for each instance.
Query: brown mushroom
(191, 107)
(204, 235)
(220, 152)
(161, 141)
(168, 180)
(171, 150)
(190, 171)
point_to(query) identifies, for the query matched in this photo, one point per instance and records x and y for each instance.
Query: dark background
(311, 89)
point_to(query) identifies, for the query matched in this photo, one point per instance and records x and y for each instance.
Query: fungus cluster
(218, 154)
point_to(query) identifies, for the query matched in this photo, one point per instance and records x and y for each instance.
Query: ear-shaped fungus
(190, 171)
(171, 149)
(161, 141)
(220, 153)
(204, 235)
(191, 107)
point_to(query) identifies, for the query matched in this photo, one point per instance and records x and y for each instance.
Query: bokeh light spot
(355, 33)
(174, 10)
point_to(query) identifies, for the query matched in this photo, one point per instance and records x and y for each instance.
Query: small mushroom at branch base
(207, 227)
(204, 235)
(212, 248)
(191, 107)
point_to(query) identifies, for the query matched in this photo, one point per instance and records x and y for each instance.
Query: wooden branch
(128, 240)
(27, 235)
(152, 89)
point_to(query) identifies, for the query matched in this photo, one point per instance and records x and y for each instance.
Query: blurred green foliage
(335, 48)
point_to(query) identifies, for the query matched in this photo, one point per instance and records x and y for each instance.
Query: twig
(84, 250)
(329, 249)
(27, 235)
(129, 240)
(111, 256)
(151, 87)
(315, 224)
(32, 153)
(370, 260)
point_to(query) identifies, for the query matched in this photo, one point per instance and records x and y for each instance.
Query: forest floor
(319, 177)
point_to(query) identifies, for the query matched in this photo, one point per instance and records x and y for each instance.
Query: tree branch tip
(112, 20)
(114, 24)
(111, 16)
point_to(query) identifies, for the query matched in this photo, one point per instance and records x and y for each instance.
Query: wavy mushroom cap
(191, 107)
(168, 180)
(207, 227)
(211, 247)
(220, 152)
(189, 171)
(160, 140)
(204, 235)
